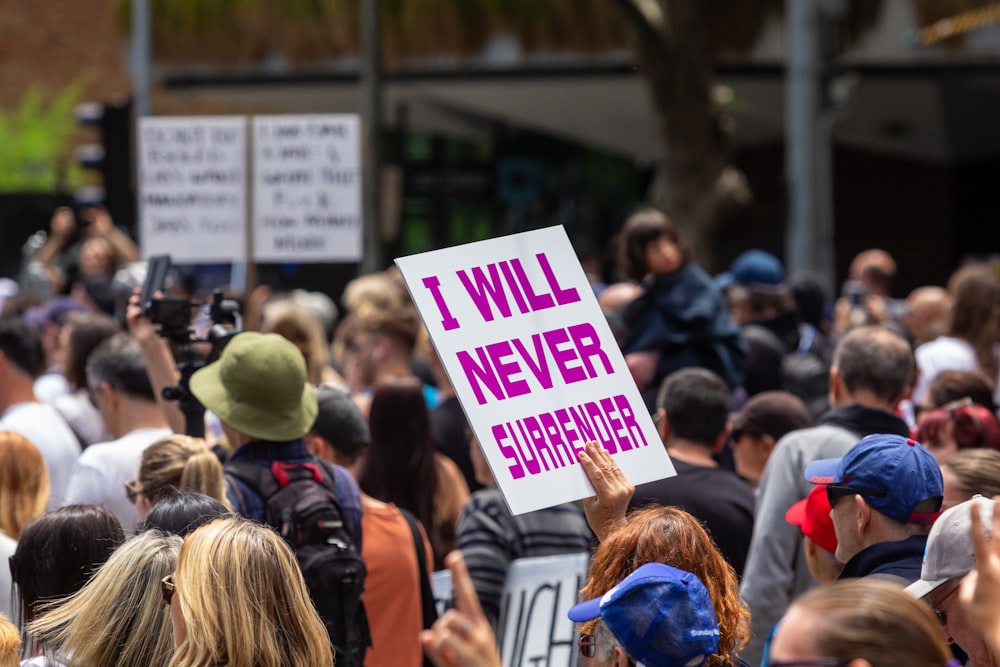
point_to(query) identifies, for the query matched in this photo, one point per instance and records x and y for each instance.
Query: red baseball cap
(812, 515)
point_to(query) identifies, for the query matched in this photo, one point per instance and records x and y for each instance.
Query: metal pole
(371, 106)
(809, 242)
(140, 56)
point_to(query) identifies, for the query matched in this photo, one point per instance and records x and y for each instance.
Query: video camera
(188, 325)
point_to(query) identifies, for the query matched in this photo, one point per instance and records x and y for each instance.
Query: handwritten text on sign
(192, 184)
(307, 188)
(534, 364)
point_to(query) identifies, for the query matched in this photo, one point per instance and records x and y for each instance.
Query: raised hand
(606, 510)
(461, 637)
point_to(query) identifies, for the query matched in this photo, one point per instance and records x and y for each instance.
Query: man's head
(658, 615)
(341, 432)
(117, 379)
(872, 365)
(760, 423)
(20, 346)
(874, 268)
(383, 338)
(947, 558)
(693, 405)
(258, 389)
(926, 315)
(884, 489)
(755, 287)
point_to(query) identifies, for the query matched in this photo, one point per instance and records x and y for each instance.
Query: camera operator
(160, 364)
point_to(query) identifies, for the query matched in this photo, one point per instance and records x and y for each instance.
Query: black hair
(180, 512)
(697, 402)
(58, 552)
(401, 465)
(21, 345)
(639, 230)
(119, 362)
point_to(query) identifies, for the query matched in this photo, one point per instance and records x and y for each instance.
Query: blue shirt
(251, 506)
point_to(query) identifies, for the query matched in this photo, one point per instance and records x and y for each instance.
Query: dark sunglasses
(168, 588)
(835, 492)
(587, 646)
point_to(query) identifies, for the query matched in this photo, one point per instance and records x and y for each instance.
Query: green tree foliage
(35, 139)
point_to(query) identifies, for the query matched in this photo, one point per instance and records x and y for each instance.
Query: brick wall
(51, 43)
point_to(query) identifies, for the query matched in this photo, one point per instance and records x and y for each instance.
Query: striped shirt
(489, 537)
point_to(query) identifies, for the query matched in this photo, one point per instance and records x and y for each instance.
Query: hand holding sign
(980, 590)
(462, 637)
(606, 510)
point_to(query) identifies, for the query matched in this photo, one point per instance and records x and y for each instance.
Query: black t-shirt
(717, 497)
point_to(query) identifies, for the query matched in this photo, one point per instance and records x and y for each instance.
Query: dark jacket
(900, 561)
(684, 316)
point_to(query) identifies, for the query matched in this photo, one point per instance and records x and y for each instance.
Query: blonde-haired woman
(238, 599)
(24, 492)
(24, 483)
(858, 623)
(178, 461)
(117, 619)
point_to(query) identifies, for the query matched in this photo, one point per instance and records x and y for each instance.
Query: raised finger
(466, 600)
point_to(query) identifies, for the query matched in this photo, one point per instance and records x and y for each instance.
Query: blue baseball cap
(662, 616)
(893, 473)
(753, 267)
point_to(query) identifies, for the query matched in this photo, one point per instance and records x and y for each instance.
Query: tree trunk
(696, 183)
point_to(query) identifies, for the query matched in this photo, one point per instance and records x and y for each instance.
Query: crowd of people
(834, 458)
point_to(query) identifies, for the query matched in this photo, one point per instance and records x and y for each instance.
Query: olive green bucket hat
(258, 386)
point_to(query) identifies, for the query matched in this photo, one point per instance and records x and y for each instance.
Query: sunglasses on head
(835, 492)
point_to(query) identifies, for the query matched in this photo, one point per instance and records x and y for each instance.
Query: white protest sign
(192, 188)
(307, 188)
(533, 628)
(534, 364)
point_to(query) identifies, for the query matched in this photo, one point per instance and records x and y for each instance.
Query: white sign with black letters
(192, 187)
(307, 188)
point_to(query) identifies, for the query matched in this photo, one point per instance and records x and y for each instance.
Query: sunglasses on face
(835, 492)
(167, 588)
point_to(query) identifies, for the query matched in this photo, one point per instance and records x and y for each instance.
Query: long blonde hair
(118, 618)
(183, 462)
(24, 483)
(244, 602)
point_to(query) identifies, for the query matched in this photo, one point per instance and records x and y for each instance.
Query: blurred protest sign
(192, 187)
(307, 188)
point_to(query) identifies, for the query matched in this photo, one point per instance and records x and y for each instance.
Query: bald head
(926, 315)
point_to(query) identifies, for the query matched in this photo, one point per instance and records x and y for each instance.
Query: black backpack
(301, 504)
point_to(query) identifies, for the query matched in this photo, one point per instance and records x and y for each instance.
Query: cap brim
(823, 471)
(796, 514)
(921, 588)
(724, 280)
(206, 386)
(585, 611)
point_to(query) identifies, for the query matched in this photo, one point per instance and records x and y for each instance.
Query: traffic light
(112, 157)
